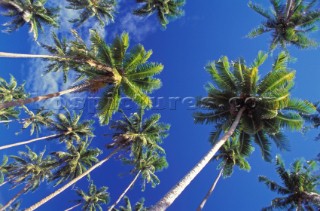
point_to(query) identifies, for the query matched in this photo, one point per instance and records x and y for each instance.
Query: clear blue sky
(209, 30)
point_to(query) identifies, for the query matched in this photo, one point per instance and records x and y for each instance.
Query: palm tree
(8, 114)
(74, 162)
(313, 119)
(166, 9)
(238, 99)
(67, 128)
(139, 206)
(232, 153)
(289, 23)
(136, 132)
(102, 10)
(299, 186)
(15, 206)
(11, 91)
(93, 199)
(110, 67)
(30, 169)
(146, 165)
(152, 129)
(31, 12)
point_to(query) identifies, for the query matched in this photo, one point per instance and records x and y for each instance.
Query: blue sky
(208, 30)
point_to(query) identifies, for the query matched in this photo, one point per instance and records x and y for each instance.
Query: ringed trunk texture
(30, 141)
(60, 190)
(7, 205)
(169, 198)
(125, 192)
(205, 199)
(71, 208)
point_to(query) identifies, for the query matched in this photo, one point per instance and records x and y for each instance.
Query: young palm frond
(167, 10)
(289, 23)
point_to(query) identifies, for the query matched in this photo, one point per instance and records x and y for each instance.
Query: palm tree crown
(289, 23)
(299, 186)
(94, 198)
(139, 206)
(73, 129)
(31, 12)
(30, 168)
(267, 103)
(137, 133)
(74, 162)
(166, 9)
(102, 10)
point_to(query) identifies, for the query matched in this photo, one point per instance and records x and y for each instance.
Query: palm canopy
(75, 161)
(31, 12)
(137, 132)
(102, 10)
(94, 198)
(11, 91)
(234, 153)
(111, 67)
(29, 168)
(71, 127)
(147, 164)
(314, 119)
(289, 22)
(267, 102)
(37, 120)
(166, 9)
(299, 185)
(139, 206)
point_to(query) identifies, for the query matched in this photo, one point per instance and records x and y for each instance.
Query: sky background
(209, 30)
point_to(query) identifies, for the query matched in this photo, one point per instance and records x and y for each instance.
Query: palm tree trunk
(60, 190)
(4, 183)
(210, 191)
(71, 208)
(31, 141)
(27, 56)
(7, 205)
(7, 121)
(43, 97)
(124, 192)
(169, 198)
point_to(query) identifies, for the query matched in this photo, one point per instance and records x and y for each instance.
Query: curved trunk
(169, 198)
(71, 208)
(30, 141)
(43, 97)
(7, 205)
(63, 188)
(124, 192)
(205, 199)
(4, 183)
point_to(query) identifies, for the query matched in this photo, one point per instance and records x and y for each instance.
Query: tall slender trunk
(205, 199)
(43, 97)
(60, 190)
(125, 191)
(27, 56)
(169, 198)
(7, 205)
(90, 62)
(71, 208)
(31, 141)
(4, 183)
(7, 121)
